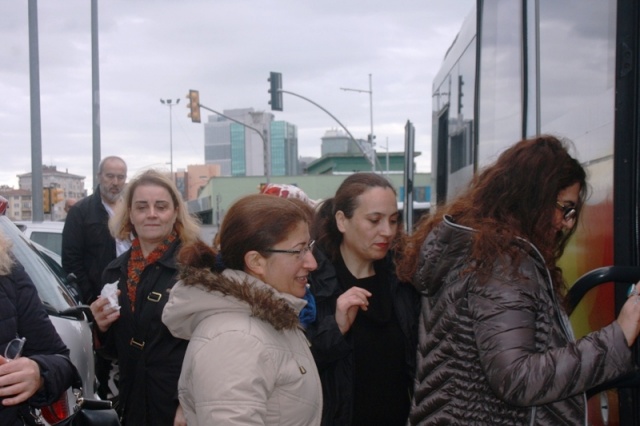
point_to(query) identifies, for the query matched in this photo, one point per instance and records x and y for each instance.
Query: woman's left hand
(19, 380)
(180, 419)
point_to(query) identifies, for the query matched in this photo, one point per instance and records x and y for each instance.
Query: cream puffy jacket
(248, 361)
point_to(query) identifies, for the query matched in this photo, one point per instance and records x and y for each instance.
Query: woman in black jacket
(43, 371)
(149, 357)
(364, 336)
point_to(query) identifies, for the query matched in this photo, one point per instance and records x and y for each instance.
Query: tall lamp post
(170, 104)
(370, 92)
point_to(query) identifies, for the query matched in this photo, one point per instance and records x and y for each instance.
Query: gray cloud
(226, 49)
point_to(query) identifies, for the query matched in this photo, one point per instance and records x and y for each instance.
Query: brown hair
(325, 229)
(120, 224)
(254, 222)
(514, 197)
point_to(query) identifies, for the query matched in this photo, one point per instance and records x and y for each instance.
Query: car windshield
(54, 296)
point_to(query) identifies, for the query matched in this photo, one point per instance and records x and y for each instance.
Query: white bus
(568, 68)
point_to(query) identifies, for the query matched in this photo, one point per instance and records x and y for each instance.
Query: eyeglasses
(301, 253)
(569, 213)
(14, 348)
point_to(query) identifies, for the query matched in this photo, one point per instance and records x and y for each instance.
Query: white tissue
(109, 292)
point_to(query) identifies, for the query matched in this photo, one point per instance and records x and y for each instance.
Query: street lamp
(370, 92)
(170, 104)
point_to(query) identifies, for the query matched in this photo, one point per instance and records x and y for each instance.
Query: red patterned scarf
(137, 264)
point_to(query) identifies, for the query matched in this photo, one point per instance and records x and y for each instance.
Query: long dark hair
(325, 229)
(514, 197)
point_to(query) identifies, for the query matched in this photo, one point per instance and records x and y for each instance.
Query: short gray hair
(109, 158)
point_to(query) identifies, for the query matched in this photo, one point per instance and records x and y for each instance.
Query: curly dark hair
(514, 197)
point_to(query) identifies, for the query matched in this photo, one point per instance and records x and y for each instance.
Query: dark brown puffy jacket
(502, 352)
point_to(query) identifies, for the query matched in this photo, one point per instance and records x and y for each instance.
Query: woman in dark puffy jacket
(495, 344)
(43, 370)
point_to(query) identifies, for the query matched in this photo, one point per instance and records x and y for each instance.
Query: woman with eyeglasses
(495, 343)
(365, 332)
(34, 362)
(248, 360)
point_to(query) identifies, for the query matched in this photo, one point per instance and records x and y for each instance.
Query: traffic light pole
(267, 162)
(372, 161)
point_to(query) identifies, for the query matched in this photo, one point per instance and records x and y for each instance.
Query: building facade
(241, 151)
(336, 141)
(284, 149)
(19, 203)
(389, 162)
(194, 178)
(220, 192)
(72, 185)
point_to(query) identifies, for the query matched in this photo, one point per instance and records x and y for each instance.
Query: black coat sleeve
(74, 250)
(43, 344)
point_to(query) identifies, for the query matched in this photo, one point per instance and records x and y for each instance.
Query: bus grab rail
(620, 275)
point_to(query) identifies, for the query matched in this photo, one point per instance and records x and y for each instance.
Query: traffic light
(46, 200)
(275, 78)
(194, 105)
(57, 195)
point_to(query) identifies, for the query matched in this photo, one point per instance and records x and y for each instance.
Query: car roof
(40, 226)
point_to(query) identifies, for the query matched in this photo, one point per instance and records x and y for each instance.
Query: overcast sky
(225, 49)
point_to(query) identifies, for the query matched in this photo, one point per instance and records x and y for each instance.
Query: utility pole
(170, 104)
(371, 135)
(37, 206)
(95, 92)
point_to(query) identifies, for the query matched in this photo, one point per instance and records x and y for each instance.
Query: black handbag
(87, 412)
(91, 412)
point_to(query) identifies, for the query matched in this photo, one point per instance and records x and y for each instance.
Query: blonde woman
(148, 355)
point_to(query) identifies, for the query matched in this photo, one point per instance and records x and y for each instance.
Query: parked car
(47, 238)
(68, 317)
(47, 234)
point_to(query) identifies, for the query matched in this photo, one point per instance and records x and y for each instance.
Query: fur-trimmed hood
(202, 292)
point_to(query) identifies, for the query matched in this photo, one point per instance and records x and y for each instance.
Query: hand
(347, 307)
(103, 313)
(19, 380)
(629, 317)
(180, 419)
